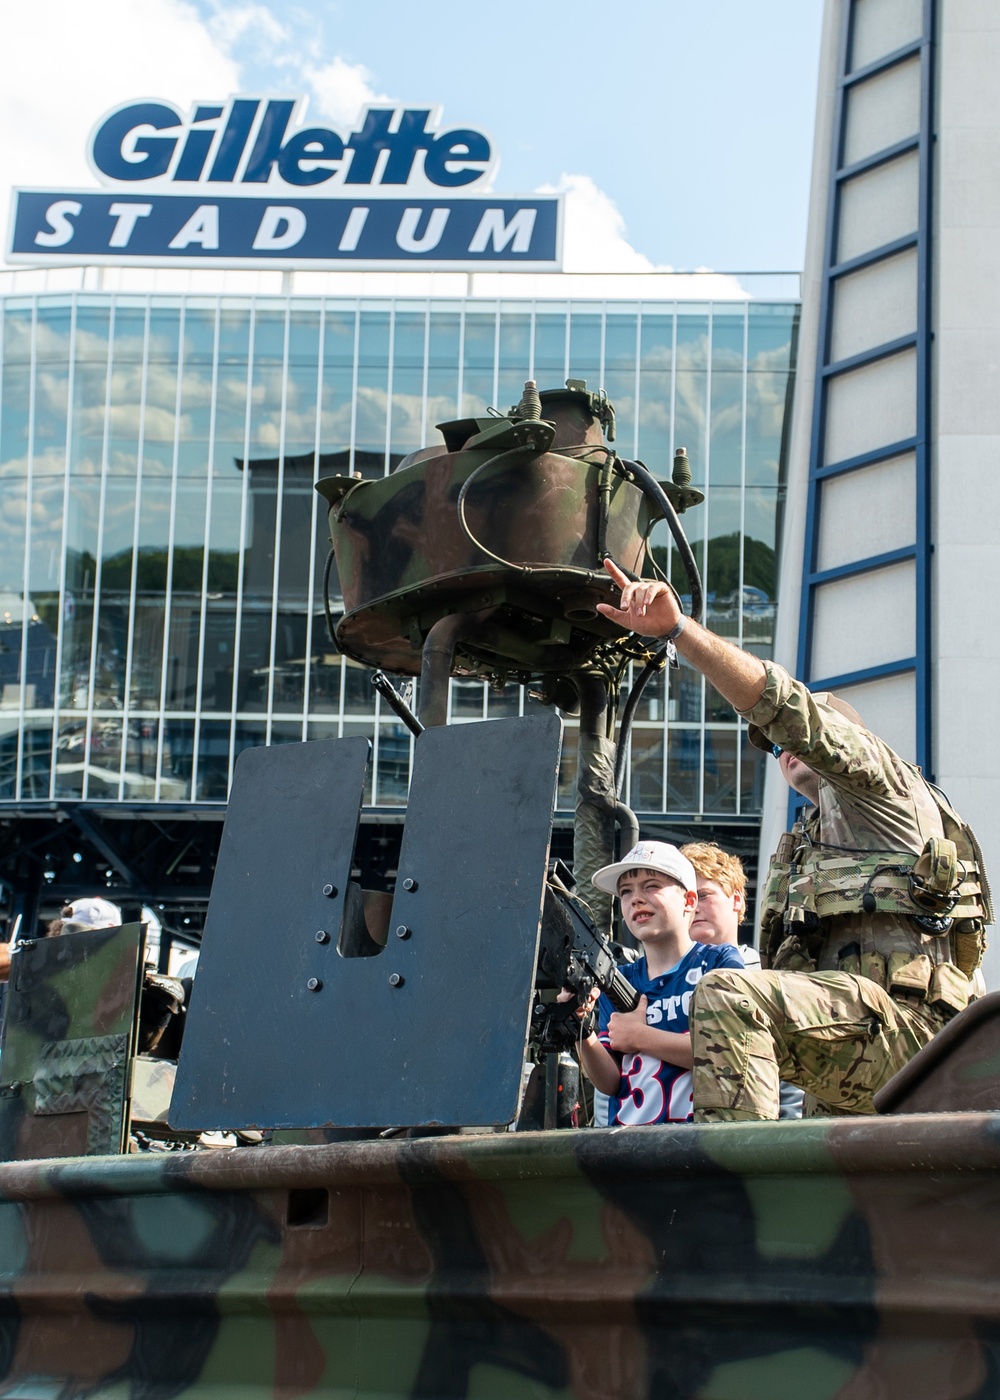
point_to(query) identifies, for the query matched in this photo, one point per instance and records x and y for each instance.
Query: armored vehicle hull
(847, 1258)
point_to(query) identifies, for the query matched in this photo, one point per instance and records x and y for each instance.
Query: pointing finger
(616, 573)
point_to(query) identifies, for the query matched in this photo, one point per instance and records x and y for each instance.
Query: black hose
(460, 504)
(327, 568)
(655, 493)
(654, 664)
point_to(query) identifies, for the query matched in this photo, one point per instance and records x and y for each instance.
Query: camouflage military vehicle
(827, 1258)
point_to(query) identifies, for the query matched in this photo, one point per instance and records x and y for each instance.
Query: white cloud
(594, 231)
(340, 90)
(68, 62)
(232, 25)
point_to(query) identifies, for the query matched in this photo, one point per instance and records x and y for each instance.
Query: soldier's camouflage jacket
(839, 894)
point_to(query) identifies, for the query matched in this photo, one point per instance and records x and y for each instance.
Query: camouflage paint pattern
(837, 1036)
(70, 1030)
(404, 561)
(822, 1260)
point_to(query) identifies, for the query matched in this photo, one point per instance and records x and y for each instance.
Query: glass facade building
(163, 547)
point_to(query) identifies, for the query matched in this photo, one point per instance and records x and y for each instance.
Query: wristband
(677, 628)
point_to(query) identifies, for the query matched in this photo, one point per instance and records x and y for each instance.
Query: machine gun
(575, 955)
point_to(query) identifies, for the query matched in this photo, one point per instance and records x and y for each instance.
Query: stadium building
(163, 547)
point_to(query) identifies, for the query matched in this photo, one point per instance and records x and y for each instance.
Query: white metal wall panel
(882, 110)
(881, 26)
(871, 406)
(874, 305)
(887, 522)
(887, 707)
(967, 424)
(865, 620)
(879, 206)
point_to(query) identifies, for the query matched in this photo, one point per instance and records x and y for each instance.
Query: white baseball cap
(649, 855)
(94, 912)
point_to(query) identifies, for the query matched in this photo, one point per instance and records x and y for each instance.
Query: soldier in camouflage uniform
(874, 910)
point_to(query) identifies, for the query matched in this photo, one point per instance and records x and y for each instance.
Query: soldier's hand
(649, 607)
(627, 1029)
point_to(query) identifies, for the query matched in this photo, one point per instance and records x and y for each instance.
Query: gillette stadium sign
(244, 183)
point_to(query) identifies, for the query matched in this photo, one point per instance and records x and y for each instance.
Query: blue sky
(683, 130)
(695, 118)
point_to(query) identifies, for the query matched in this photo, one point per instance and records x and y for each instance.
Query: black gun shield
(433, 1028)
(254, 1027)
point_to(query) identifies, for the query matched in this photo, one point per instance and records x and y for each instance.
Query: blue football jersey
(652, 1091)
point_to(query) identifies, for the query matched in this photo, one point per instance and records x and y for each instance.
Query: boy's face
(718, 915)
(655, 906)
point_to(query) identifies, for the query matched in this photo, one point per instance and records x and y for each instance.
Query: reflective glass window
(683, 770)
(646, 769)
(726, 429)
(442, 369)
(691, 391)
(221, 583)
(771, 334)
(722, 770)
(186, 574)
(160, 417)
(213, 761)
(478, 357)
(364, 729)
(585, 348)
(515, 357)
(550, 350)
(150, 588)
(753, 769)
(760, 572)
(566, 797)
(52, 362)
(394, 751)
(177, 760)
(620, 376)
(231, 392)
(373, 392)
(407, 428)
(338, 381)
(656, 367)
(196, 392)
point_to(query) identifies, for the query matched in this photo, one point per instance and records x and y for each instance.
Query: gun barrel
(620, 992)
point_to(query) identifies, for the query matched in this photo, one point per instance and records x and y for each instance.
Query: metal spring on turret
(530, 406)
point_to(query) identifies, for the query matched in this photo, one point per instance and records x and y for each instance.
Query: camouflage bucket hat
(760, 740)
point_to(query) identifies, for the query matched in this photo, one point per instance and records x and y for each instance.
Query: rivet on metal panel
(395, 979)
(330, 891)
(314, 984)
(322, 936)
(409, 884)
(402, 931)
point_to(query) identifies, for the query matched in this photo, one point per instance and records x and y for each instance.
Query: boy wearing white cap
(642, 1059)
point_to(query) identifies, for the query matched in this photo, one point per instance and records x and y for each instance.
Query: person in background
(722, 907)
(722, 898)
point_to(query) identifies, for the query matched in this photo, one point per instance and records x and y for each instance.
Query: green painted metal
(835, 1258)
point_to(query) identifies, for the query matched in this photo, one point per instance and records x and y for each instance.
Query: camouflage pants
(837, 1036)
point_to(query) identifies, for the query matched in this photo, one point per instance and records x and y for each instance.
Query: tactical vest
(943, 893)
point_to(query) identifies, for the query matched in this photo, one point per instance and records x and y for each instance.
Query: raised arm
(653, 609)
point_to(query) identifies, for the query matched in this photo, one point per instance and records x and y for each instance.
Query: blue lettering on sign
(250, 141)
(49, 226)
